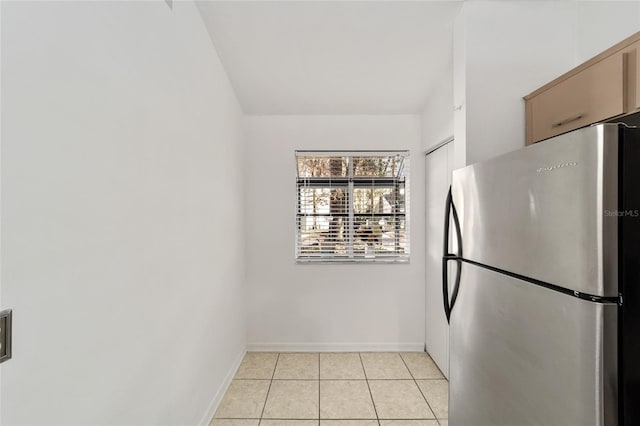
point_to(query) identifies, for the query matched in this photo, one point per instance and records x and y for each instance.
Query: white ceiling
(332, 57)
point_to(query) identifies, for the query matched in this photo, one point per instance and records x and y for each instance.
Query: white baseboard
(335, 347)
(215, 402)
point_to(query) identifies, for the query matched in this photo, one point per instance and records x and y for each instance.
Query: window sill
(378, 260)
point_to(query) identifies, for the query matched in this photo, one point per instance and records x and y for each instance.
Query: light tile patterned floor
(335, 389)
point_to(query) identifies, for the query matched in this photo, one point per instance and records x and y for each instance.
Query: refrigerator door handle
(450, 210)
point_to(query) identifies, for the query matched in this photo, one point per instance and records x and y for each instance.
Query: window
(352, 206)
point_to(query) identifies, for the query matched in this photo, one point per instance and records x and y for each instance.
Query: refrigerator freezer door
(522, 354)
(547, 211)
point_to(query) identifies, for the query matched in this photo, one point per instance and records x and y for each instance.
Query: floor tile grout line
(319, 388)
(364, 370)
(366, 378)
(440, 371)
(360, 419)
(341, 380)
(419, 389)
(269, 389)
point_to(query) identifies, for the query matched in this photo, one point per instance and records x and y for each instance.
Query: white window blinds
(352, 206)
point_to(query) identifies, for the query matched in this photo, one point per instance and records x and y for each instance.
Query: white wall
(459, 76)
(320, 307)
(437, 116)
(437, 112)
(504, 50)
(601, 24)
(511, 48)
(121, 214)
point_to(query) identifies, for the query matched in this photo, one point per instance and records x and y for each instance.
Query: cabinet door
(636, 78)
(593, 95)
(633, 78)
(438, 178)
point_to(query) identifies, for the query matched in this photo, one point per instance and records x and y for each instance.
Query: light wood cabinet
(632, 57)
(593, 95)
(605, 87)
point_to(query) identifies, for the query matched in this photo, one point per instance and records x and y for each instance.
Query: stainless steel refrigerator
(542, 283)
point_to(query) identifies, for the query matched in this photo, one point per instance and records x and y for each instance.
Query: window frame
(349, 182)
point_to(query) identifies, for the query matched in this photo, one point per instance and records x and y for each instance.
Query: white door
(439, 165)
